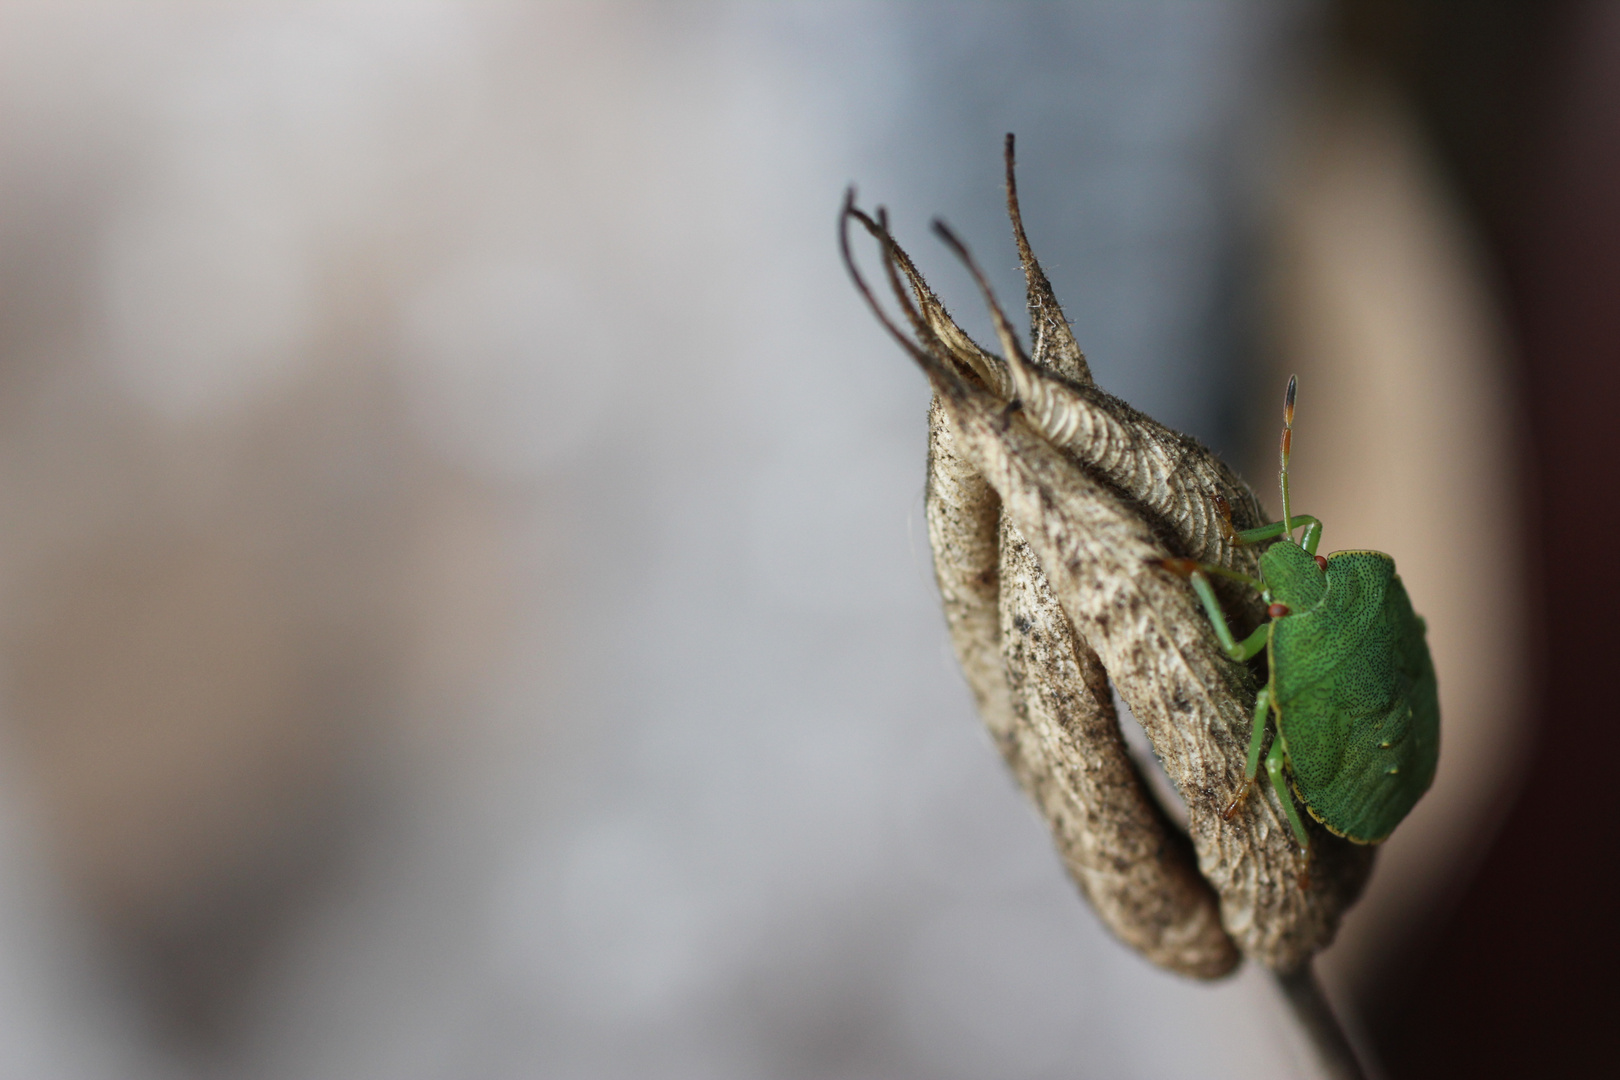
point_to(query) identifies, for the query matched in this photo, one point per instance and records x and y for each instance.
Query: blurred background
(464, 603)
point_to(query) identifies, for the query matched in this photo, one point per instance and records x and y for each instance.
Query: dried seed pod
(1169, 475)
(1048, 500)
(1127, 858)
(964, 530)
(1045, 698)
(1192, 701)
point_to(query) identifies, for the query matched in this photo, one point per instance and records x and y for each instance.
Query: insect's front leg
(1312, 537)
(1198, 573)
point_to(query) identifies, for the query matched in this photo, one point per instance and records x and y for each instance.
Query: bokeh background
(464, 604)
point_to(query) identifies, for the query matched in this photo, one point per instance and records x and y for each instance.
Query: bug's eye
(1322, 562)
(1277, 611)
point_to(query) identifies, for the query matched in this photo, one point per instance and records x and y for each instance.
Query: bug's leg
(1237, 650)
(1313, 532)
(1262, 705)
(1198, 573)
(1279, 782)
(1223, 518)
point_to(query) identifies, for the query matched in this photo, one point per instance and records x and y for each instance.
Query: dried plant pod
(1171, 477)
(964, 530)
(1127, 858)
(1045, 698)
(1157, 648)
(1049, 502)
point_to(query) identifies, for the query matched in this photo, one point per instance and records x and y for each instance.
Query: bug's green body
(1351, 684)
(1352, 688)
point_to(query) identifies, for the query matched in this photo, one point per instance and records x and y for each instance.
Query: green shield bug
(1350, 686)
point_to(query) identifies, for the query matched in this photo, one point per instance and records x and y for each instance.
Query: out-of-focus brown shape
(1522, 102)
(221, 638)
(1408, 442)
(212, 681)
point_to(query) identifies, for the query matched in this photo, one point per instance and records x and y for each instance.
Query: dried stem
(1315, 1014)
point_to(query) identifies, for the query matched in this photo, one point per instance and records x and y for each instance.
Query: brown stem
(1315, 1014)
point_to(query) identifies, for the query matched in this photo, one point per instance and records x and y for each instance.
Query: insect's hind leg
(1279, 781)
(1257, 739)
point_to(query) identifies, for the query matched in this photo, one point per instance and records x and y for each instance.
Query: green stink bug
(1350, 683)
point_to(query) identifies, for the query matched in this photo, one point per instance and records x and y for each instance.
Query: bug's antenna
(1287, 445)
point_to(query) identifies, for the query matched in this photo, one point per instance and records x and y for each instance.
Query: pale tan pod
(1171, 476)
(1190, 699)
(1138, 872)
(964, 516)
(1099, 493)
(1045, 699)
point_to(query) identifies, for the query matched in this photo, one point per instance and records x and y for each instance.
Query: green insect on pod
(1350, 690)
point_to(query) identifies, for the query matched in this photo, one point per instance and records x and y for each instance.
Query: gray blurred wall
(465, 605)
